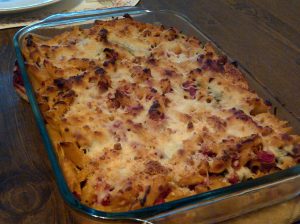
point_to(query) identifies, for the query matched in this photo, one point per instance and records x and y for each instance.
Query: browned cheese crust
(141, 114)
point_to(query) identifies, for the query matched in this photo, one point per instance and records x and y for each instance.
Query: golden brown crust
(141, 114)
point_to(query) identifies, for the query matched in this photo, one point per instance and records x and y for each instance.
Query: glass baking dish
(208, 207)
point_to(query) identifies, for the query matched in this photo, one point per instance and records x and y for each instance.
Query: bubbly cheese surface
(142, 114)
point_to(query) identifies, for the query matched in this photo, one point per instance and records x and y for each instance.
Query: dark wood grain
(264, 36)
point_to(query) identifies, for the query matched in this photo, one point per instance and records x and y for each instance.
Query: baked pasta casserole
(140, 114)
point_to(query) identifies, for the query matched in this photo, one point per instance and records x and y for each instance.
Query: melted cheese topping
(141, 115)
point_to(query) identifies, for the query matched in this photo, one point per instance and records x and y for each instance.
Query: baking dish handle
(92, 13)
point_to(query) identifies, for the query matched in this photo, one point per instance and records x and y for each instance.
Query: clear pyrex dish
(208, 207)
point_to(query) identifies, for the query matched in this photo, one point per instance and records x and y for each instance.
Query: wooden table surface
(263, 35)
